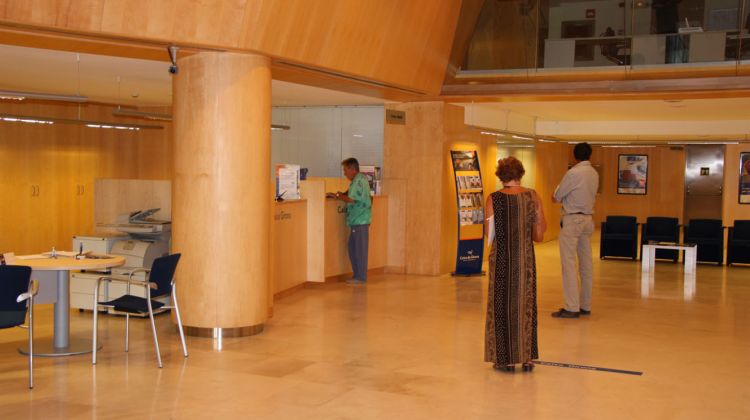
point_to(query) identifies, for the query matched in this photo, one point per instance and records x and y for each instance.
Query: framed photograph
(632, 174)
(744, 178)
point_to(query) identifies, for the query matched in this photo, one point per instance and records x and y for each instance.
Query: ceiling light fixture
(19, 96)
(12, 97)
(521, 137)
(688, 143)
(25, 120)
(90, 124)
(492, 133)
(119, 112)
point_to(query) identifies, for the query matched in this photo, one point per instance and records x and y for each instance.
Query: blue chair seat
(708, 234)
(619, 237)
(17, 292)
(132, 304)
(661, 229)
(738, 243)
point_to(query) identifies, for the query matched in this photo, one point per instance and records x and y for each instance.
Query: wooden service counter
(336, 255)
(327, 233)
(288, 245)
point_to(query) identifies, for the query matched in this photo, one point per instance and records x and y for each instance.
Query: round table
(61, 344)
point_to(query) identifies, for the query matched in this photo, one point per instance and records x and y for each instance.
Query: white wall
(321, 137)
(488, 116)
(527, 156)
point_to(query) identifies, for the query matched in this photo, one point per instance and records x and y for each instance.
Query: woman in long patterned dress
(515, 215)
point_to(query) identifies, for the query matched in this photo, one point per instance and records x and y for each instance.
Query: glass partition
(567, 34)
(320, 137)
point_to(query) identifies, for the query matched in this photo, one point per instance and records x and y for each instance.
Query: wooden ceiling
(391, 49)
(391, 45)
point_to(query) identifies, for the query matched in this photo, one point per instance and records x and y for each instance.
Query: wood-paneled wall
(666, 184)
(551, 164)
(413, 159)
(504, 37)
(418, 180)
(61, 162)
(732, 210)
(402, 43)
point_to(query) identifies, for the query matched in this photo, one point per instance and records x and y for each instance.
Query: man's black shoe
(562, 313)
(585, 312)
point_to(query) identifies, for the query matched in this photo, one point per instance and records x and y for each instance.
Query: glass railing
(568, 34)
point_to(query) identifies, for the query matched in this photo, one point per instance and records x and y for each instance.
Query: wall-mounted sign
(590, 13)
(705, 171)
(395, 117)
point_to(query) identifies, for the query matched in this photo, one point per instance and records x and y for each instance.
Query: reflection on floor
(406, 347)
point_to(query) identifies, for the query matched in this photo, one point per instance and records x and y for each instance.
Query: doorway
(704, 182)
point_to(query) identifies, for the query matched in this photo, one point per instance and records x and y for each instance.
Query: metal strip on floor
(584, 367)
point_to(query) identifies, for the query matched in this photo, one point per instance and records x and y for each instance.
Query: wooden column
(221, 193)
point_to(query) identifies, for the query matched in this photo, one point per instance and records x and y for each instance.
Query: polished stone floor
(411, 347)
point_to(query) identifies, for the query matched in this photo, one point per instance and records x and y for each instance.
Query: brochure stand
(470, 203)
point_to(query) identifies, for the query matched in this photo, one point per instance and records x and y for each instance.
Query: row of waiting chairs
(619, 238)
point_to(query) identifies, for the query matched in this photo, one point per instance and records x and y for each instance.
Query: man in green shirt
(358, 218)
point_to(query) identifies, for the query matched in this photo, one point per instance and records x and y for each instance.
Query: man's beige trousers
(575, 241)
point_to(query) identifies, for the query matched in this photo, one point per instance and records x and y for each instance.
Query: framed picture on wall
(632, 174)
(744, 178)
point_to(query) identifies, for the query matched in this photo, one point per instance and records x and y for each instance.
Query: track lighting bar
(19, 96)
(88, 123)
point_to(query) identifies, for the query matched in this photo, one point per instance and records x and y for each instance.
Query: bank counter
(309, 238)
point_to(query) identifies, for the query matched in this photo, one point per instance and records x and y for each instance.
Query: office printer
(138, 253)
(140, 225)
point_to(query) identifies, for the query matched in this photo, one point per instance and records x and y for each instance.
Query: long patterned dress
(511, 305)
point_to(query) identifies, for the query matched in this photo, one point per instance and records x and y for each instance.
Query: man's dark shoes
(585, 312)
(562, 313)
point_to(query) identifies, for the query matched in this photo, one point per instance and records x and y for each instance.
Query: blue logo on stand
(469, 258)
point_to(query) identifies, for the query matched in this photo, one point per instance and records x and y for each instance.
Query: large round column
(221, 198)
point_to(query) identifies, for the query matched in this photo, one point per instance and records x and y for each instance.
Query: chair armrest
(130, 274)
(128, 280)
(33, 290)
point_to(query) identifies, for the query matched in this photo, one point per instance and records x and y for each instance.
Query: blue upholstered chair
(661, 229)
(738, 243)
(17, 292)
(619, 237)
(160, 283)
(708, 234)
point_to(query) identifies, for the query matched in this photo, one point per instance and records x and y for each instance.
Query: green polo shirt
(360, 211)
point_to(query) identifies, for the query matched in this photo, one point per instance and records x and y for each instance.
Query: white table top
(67, 263)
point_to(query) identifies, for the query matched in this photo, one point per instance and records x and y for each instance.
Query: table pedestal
(61, 343)
(46, 348)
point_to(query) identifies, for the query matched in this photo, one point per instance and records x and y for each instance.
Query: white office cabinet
(82, 290)
(96, 244)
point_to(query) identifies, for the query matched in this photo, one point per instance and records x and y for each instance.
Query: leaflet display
(470, 204)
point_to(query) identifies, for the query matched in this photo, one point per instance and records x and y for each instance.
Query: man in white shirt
(577, 193)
